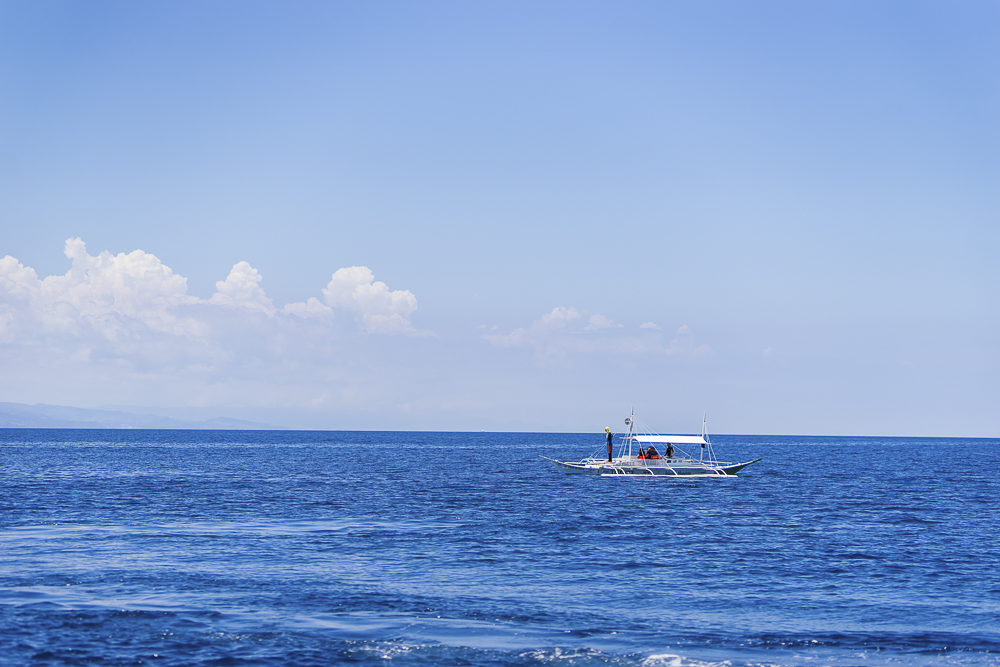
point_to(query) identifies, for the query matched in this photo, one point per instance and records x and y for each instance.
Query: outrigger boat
(649, 462)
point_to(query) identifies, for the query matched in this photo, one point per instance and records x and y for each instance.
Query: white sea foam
(672, 660)
(559, 655)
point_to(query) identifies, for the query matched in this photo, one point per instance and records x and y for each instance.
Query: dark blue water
(320, 548)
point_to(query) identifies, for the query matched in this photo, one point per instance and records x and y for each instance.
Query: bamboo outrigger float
(651, 462)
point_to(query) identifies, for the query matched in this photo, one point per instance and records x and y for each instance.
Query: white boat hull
(634, 466)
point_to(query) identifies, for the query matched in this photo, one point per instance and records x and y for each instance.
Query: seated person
(651, 453)
(642, 453)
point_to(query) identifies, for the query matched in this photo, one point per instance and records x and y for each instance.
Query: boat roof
(676, 439)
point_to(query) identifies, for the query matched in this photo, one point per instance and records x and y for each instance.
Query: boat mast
(627, 439)
(704, 433)
(631, 424)
(708, 441)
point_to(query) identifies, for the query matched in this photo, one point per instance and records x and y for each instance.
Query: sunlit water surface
(319, 548)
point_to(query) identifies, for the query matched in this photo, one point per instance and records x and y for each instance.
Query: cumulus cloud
(19, 287)
(115, 296)
(377, 309)
(649, 325)
(241, 289)
(557, 319)
(133, 308)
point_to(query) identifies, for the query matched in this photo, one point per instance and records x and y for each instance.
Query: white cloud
(683, 345)
(600, 322)
(132, 309)
(540, 329)
(557, 319)
(378, 310)
(768, 351)
(516, 338)
(19, 287)
(311, 308)
(117, 297)
(123, 329)
(137, 285)
(649, 325)
(17, 281)
(554, 335)
(241, 289)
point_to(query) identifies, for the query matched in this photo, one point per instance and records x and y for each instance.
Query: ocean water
(326, 548)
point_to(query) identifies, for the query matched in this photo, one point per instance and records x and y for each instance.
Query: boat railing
(663, 460)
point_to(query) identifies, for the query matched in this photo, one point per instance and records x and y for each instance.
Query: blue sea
(234, 548)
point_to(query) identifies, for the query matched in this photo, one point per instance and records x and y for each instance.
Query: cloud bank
(133, 307)
(558, 334)
(122, 330)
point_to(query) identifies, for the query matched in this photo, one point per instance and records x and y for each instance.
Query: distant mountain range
(20, 415)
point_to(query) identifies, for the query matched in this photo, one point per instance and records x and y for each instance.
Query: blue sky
(798, 200)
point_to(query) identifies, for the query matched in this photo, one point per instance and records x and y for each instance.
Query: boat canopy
(675, 439)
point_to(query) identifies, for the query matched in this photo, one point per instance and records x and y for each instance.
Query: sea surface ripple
(395, 548)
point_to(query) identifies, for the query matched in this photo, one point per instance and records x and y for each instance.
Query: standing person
(608, 431)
